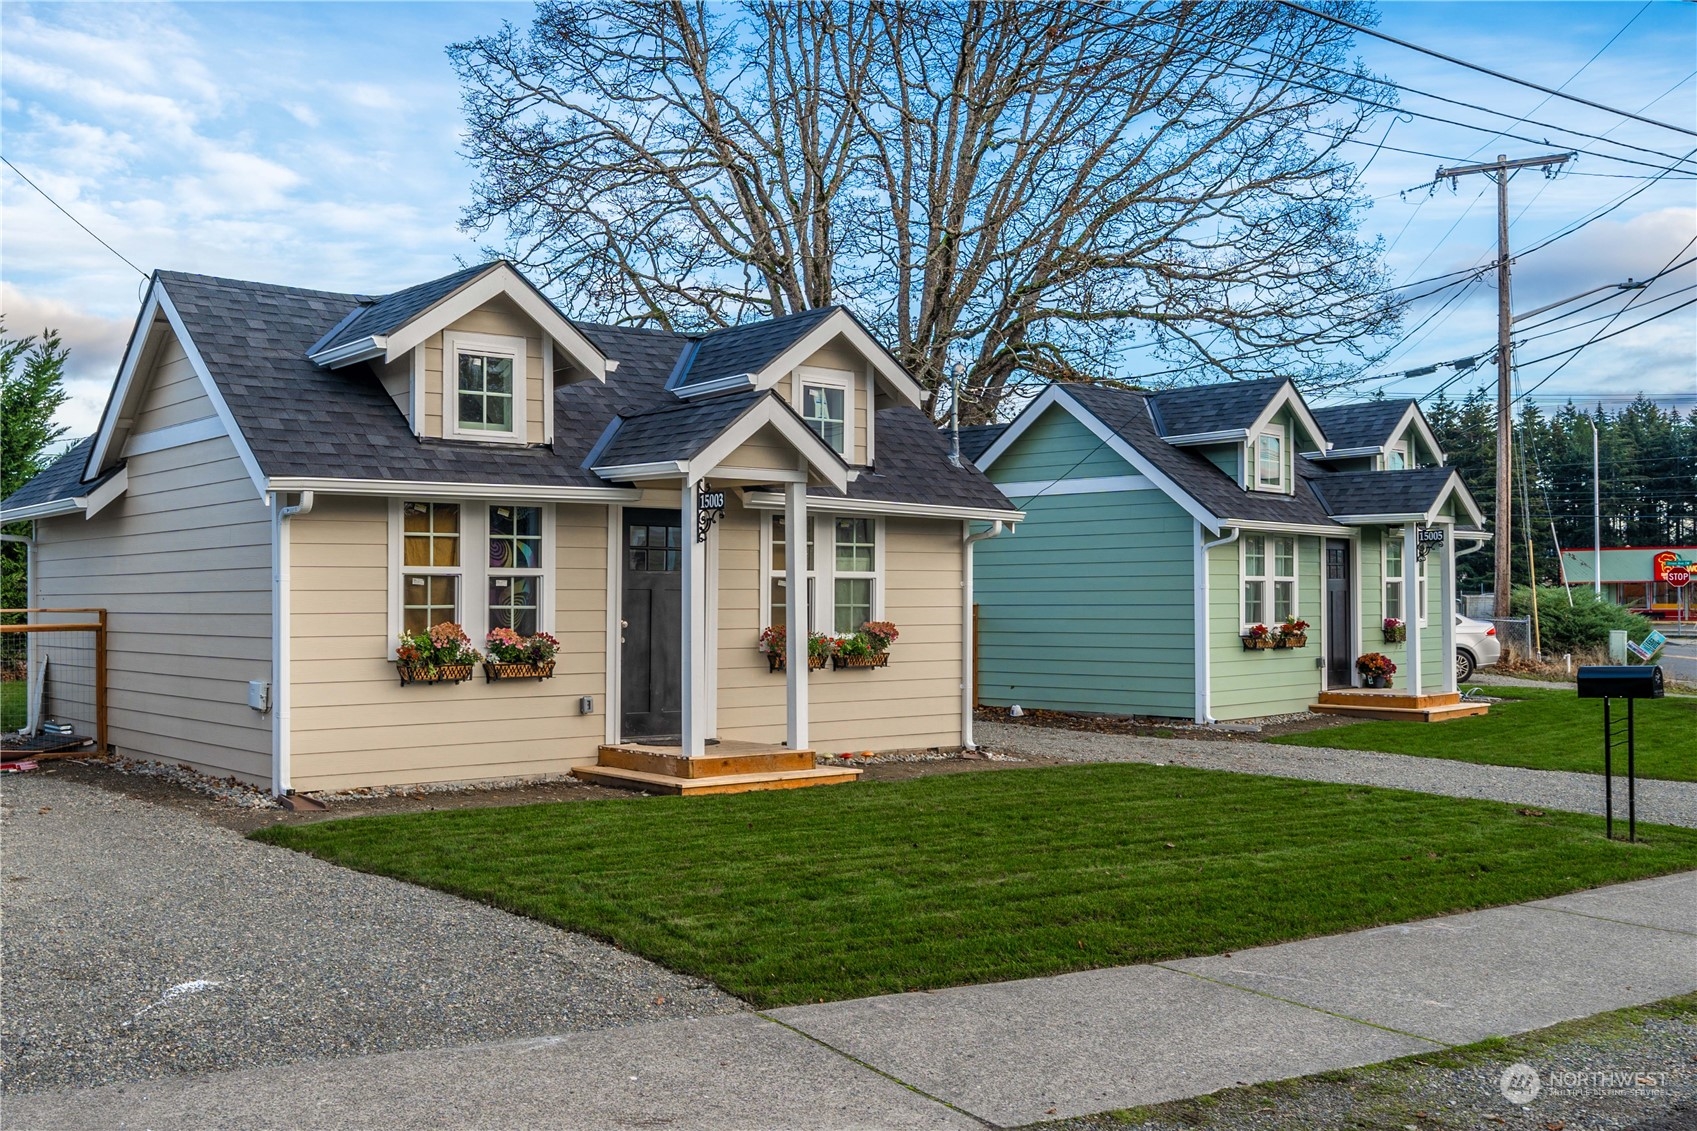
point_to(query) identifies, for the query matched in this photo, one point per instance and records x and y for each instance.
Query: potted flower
(512, 656)
(1375, 669)
(442, 654)
(1258, 638)
(868, 648)
(1396, 631)
(774, 641)
(1293, 633)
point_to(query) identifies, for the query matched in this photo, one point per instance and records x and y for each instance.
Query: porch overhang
(816, 461)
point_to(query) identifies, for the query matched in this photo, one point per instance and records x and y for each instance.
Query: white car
(1476, 646)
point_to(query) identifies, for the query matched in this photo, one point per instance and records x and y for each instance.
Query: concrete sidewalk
(1003, 1054)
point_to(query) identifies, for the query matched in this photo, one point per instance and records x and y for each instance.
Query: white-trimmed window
(1394, 579)
(483, 386)
(777, 584)
(1396, 457)
(825, 400)
(1270, 459)
(480, 564)
(845, 583)
(1269, 578)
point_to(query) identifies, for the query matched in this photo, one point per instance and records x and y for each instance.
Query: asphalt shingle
(1360, 424)
(1410, 491)
(749, 349)
(1211, 408)
(61, 479)
(381, 315)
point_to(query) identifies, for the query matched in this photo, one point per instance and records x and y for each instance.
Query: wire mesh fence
(53, 680)
(1515, 636)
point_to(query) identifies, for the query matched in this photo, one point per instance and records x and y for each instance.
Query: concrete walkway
(999, 1055)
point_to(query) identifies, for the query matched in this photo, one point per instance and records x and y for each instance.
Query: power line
(1341, 22)
(1592, 321)
(71, 218)
(1601, 337)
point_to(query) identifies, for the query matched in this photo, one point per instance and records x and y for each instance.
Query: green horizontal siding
(1277, 681)
(1373, 613)
(1087, 607)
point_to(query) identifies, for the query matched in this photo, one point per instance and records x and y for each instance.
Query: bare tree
(1036, 190)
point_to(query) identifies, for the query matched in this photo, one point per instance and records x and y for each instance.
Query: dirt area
(1250, 730)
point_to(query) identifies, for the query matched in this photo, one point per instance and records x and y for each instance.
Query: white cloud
(96, 346)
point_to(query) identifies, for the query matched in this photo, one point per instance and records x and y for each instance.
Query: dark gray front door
(652, 659)
(1340, 656)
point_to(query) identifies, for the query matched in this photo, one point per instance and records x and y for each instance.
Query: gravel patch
(142, 940)
(1601, 1074)
(1659, 802)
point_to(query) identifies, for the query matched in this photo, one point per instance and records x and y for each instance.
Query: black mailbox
(1617, 681)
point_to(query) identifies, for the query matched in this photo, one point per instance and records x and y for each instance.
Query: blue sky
(318, 145)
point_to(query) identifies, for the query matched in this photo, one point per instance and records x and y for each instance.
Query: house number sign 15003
(709, 508)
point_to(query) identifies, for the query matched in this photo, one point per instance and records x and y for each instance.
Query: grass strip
(849, 891)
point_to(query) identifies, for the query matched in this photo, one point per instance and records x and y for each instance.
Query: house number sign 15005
(1429, 538)
(709, 508)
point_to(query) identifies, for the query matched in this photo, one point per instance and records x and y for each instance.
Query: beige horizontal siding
(498, 316)
(182, 564)
(354, 725)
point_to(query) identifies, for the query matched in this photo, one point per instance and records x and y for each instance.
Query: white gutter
(392, 488)
(968, 692)
(762, 500)
(281, 638)
(1204, 676)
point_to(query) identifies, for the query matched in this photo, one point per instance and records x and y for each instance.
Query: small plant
(1259, 632)
(508, 647)
(774, 640)
(820, 647)
(1293, 627)
(443, 645)
(881, 633)
(1258, 637)
(855, 646)
(1396, 631)
(1374, 666)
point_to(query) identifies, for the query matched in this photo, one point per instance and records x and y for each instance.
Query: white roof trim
(841, 322)
(1251, 526)
(1417, 419)
(774, 412)
(1055, 395)
(822, 504)
(360, 349)
(735, 383)
(1288, 395)
(213, 393)
(89, 503)
(430, 489)
(1453, 488)
(1191, 439)
(140, 335)
(1344, 453)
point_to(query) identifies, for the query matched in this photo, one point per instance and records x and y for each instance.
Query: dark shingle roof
(61, 479)
(1212, 408)
(1360, 424)
(1410, 491)
(390, 312)
(749, 349)
(913, 467)
(1127, 414)
(675, 432)
(976, 439)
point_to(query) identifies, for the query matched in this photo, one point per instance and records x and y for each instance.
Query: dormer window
(825, 407)
(484, 379)
(1270, 460)
(1396, 459)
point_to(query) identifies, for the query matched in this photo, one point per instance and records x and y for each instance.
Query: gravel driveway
(141, 940)
(1659, 802)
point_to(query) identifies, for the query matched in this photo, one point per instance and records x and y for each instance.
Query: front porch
(725, 767)
(1394, 704)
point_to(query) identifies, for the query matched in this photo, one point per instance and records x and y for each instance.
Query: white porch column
(695, 642)
(796, 613)
(1411, 601)
(1448, 590)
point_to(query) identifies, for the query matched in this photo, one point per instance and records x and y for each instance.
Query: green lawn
(848, 891)
(14, 706)
(1539, 729)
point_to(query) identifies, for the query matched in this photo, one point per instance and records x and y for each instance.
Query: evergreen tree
(32, 389)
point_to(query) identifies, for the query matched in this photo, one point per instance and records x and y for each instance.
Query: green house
(1169, 536)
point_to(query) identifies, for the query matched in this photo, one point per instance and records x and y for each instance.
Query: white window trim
(455, 342)
(1402, 448)
(473, 570)
(1282, 487)
(824, 574)
(1270, 558)
(836, 379)
(1387, 578)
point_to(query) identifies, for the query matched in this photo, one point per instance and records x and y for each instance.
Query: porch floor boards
(1392, 704)
(729, 767)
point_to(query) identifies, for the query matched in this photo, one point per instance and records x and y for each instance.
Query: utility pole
(1499, 171)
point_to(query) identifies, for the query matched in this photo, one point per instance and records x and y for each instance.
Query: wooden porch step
(621, 778)
(1389, 697)
(1433, 714)
(726, 759)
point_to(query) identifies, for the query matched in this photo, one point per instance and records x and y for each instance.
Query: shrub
(1584, 625)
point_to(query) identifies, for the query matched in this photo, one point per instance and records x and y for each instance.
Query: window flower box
(876, 660)
(868, 648)
(439, 654)
(441, 673)
(494, 670)
(774, 641)
(1293, 634)
(779, 662)
(1396, 631)
(1259, 638)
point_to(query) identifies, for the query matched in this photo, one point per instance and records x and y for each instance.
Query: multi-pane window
(778, 580)
(1397, 458)
(1393, 580)
(1254, 579)
(485, 393)
(825, 408)
(856, 571)
(430, 555)
(1269, 579)
(654, 548)
(515, 568)
(1270, 461)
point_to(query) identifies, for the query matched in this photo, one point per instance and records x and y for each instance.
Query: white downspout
(1204, 674)
(281, 634)
(968, 692)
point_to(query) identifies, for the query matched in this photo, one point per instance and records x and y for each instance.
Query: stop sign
(1676, 575)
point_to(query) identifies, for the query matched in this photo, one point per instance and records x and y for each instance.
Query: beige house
(284, 480)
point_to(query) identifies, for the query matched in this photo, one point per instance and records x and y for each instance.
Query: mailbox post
(1620, 682)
